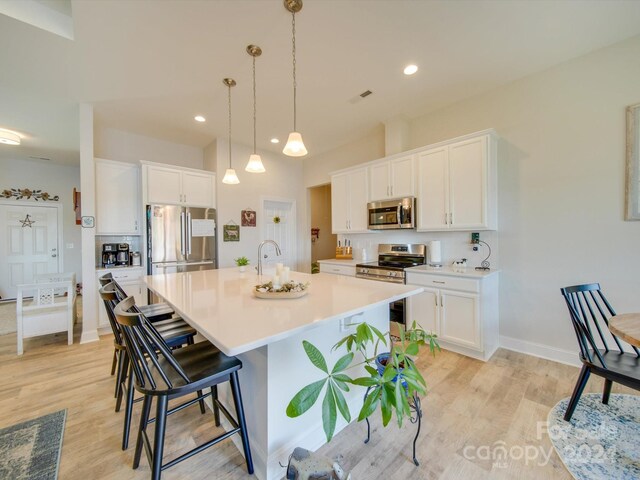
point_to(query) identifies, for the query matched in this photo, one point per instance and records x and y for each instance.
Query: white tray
(280, 295)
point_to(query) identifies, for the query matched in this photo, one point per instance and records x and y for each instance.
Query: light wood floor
(470, 404)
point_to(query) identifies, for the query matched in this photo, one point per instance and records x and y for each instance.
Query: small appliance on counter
(109, 254)
(392, 214)
(123, 256)
(136, 261)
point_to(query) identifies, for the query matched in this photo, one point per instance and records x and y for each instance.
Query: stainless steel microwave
(392, 214)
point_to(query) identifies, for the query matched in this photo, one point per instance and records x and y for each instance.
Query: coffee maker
(123, 255)
(109, 254)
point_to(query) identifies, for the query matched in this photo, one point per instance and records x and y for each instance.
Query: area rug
(31, 450)
(601, 441)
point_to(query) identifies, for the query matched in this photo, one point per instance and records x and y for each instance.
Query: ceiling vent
(358, 98)
(366, 93)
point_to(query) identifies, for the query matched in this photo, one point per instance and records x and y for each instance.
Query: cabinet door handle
(391, 190)
(435, 297)
(446, 219)
(437, 281)
(450, 218)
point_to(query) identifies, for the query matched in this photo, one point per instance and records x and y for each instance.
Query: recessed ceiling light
(275, 140)
(410, 69)
(9, 138)
(199, 118)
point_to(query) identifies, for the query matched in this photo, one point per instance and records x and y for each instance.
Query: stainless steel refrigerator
(180, 239)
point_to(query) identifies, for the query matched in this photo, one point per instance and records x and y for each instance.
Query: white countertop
(220, 305)
(339, 261)
(469, 272)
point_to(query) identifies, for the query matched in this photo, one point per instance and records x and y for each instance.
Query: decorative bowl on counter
(287, 290)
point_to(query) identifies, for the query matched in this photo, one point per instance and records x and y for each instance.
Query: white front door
(283, 232)
(28, 245)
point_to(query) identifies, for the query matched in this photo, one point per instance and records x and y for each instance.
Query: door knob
(54, 255)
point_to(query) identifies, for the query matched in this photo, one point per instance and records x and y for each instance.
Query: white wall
(123, 146)
(561, 187)
(318, 167)
(57, 180)
(283, 178)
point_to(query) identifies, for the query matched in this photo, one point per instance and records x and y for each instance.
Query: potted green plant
(242, 263)
(389, 386)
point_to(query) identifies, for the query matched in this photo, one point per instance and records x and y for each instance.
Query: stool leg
(114, 362)
(607, 391)
(120, 371)
(237, 400)
(128, 409)
(158, 437)
(144, 420)
(214, 400)
(123, 368)
(201, 402)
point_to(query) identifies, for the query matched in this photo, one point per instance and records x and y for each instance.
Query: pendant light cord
(295, 85)
(254, 104)
(229, 126)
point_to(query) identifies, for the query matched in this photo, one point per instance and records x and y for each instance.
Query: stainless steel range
(392, 260)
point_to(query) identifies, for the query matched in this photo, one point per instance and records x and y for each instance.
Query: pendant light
(295, 146)
(230, 177)
(255, 162)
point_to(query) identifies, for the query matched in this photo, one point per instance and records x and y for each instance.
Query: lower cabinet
(462, 312)
(337, 269)
(131, 282)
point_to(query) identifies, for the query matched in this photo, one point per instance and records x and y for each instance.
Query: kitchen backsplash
(455, 245)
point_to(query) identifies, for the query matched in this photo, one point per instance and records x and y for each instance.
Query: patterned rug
(601, 441)
(31, 450)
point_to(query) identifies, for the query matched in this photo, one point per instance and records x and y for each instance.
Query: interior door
(284, 233)
(28, 245)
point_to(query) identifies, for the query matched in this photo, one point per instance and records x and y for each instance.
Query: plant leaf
(399, 393)
(329, 413)
(386, 406)
(340, 343)
(315, 356)
(305, 398)
(379, 334)
(370, 403)
(371, 370)
(365, 381)
(342, 404)
(342, 363)
(412, 349)
(389, 373)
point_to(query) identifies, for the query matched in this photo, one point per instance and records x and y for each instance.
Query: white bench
(51, 310)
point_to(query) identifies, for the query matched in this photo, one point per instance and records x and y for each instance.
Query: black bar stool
(165, 375)
(154, 312)
(175, 333)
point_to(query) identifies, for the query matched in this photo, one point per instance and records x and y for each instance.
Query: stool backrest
(106, 278)
(590, 313)
(109, 296)
(144, 344)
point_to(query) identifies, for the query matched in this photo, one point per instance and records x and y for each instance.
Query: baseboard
(89, 336)
(568, 357)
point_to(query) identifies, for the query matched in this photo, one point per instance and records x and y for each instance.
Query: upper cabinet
(178, 186)
(392, 178)
(349, 194)
(117, 198)
(457, 186)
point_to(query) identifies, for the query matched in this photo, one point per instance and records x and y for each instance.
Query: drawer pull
(436, 281)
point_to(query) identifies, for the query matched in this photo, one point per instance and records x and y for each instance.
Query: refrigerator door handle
(182, 232)
(189, 233)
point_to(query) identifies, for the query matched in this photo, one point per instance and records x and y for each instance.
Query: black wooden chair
(164, 375)
(175, 332)
(590, 313)
(154, 312)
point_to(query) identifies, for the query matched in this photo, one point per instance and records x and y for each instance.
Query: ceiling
(148, 67)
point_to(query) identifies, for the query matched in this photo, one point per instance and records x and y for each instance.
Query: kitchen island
(267, 336)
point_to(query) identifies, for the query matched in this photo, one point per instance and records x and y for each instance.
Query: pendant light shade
(255, 162)
(230, 177)
(9, 138)
(295, 146)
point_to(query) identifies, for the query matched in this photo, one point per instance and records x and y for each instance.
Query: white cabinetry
(457, 187)
(337, 269)
(117, 198)
(130, 279)
(392, 178)
(178, 186)
(463, 312)
(349, 195)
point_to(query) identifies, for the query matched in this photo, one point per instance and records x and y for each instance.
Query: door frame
(294, 213)
(59, 216)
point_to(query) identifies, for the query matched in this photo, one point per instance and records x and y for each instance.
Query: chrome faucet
(262, 244)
